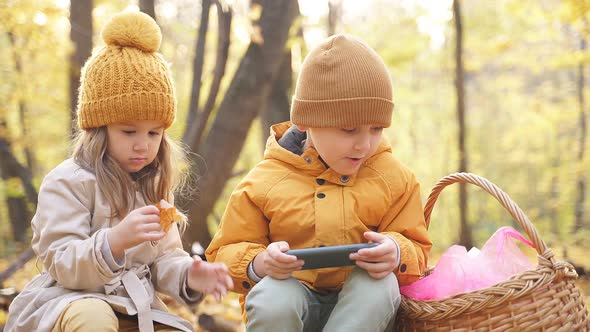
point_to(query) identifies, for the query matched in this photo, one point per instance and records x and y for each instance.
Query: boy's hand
(139, 226)
(275, 263)
(209, 278)
(379, 261)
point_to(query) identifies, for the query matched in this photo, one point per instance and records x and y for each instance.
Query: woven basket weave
(542, 299)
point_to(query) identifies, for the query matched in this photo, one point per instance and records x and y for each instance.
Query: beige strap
(141, 299)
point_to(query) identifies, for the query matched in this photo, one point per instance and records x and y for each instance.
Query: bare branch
(224, 19)
(24, 257)
(190, 131)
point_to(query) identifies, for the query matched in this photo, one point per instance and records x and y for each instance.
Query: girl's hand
(139, 226)
(209, 278)
(379, 261)
(275, 263)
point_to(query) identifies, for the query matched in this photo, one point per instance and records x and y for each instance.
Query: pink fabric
(459, 271)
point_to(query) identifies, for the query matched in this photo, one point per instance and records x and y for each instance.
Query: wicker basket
(541, 299)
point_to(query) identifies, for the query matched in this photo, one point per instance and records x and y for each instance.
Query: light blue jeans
(363, 304)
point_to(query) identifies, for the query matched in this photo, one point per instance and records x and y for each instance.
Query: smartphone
(331, 256)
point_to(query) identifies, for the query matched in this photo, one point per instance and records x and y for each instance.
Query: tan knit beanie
(127, 79)
(343, 83)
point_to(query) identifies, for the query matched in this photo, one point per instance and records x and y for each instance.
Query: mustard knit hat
(127, 79)
(343, 83)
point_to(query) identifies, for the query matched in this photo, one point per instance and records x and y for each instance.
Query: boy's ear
(301, 128)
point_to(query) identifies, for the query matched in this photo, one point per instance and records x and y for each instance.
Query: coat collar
(309, 162)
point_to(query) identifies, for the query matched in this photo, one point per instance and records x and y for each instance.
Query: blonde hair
(168, 172)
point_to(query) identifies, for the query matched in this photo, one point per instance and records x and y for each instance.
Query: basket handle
(493, 190)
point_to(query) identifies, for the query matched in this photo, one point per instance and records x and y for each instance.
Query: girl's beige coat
(69, 233)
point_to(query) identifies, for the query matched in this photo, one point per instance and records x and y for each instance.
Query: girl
(96, 228)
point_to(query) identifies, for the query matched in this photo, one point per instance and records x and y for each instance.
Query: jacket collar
(284, 143)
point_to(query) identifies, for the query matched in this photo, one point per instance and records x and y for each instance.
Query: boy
(328, 179)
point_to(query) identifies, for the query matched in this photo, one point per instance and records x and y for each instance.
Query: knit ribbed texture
(343, 83)
(127, 80)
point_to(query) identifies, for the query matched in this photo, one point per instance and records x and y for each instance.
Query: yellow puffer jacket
(281, 200)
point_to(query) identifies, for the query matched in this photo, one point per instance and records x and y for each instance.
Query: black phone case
(332, 256)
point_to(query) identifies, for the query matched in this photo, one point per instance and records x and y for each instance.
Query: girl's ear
(301, 128)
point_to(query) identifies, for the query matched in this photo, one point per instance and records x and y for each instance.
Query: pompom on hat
(343, 83)
(127, 79)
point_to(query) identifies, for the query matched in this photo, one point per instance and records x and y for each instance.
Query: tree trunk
(278, 105)
(224, 19)
(16, 201)
(19, 216)
(190, 131)
(554, 193)
(465, 230)
(10, 165)
(81, 36)
(581, 181)
(148, 7)
(242, 102)
(334, 16)
(22, 105)
(193, 133)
